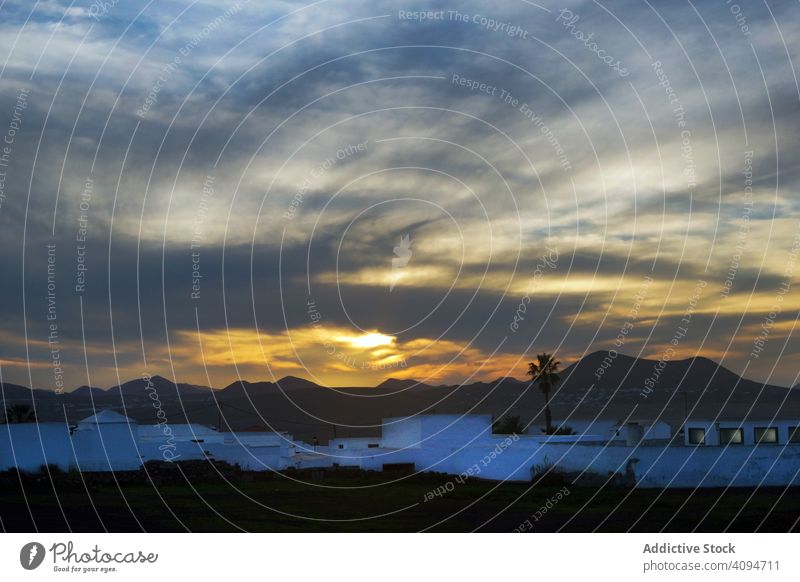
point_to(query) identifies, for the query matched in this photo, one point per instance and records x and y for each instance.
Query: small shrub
(547, 476)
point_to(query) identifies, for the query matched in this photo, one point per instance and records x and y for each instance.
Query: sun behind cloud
(333, 356)
(369, 340)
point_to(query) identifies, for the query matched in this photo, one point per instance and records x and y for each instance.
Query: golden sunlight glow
(369, 340)
(336, 356)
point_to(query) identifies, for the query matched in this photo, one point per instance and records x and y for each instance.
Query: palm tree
(19, 413)
(544, 372)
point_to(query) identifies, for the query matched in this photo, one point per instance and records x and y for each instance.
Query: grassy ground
(371, 502)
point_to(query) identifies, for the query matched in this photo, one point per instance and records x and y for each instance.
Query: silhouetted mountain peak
(242, 385)
(295, 383)
(598, 356)
(87, 390)
(161, 385)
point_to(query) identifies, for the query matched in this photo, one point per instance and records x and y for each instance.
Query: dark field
(371, 502)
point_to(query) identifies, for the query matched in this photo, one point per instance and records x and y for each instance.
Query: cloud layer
(220, 168)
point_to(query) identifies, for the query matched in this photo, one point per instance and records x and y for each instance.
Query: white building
(110, 441)
(106, 441)
(758, 452)
(176, 442)
(634, 431)
(639, 451)
(254, 451)
(192, 433)
(437, 430)
(447, 443)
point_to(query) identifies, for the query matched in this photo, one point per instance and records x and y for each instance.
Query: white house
(254, 451)
(758, 452)
(635, 431)
(110, 441)
(106, 441)
(193, 433)
(176, 442)
(641, 453)
(447, 443)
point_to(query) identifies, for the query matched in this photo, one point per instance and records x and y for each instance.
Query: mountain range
(601, 384)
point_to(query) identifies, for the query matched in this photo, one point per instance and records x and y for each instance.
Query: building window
(341, 446)
(198, 440)
(373, 445)
(731, 436)
(697, 436)
(766, 435)
(794, 434)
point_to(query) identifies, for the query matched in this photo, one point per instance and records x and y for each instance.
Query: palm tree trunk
(548, 417)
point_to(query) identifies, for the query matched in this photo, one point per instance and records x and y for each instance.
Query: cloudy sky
(347, 191)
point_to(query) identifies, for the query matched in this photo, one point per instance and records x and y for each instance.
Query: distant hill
(598, 385)
(14, 392)
(243, 388)
(158, 384)
(398, 384)
(695, 383)
(88, 391)
(295, 383)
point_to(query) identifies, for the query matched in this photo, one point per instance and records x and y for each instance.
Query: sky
(351, 191)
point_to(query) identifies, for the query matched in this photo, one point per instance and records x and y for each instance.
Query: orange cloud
(336, 356)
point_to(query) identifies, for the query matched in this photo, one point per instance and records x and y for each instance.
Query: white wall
(635, 432)
(257, 438)
(679, 466)
(178, 433)
(438, 443)
(152, 450)
(253, 451)
(398, 433)
(28, 446)
(354, 443)
(435, 429)
(650, 466)
(251, 458)
(106, 447)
